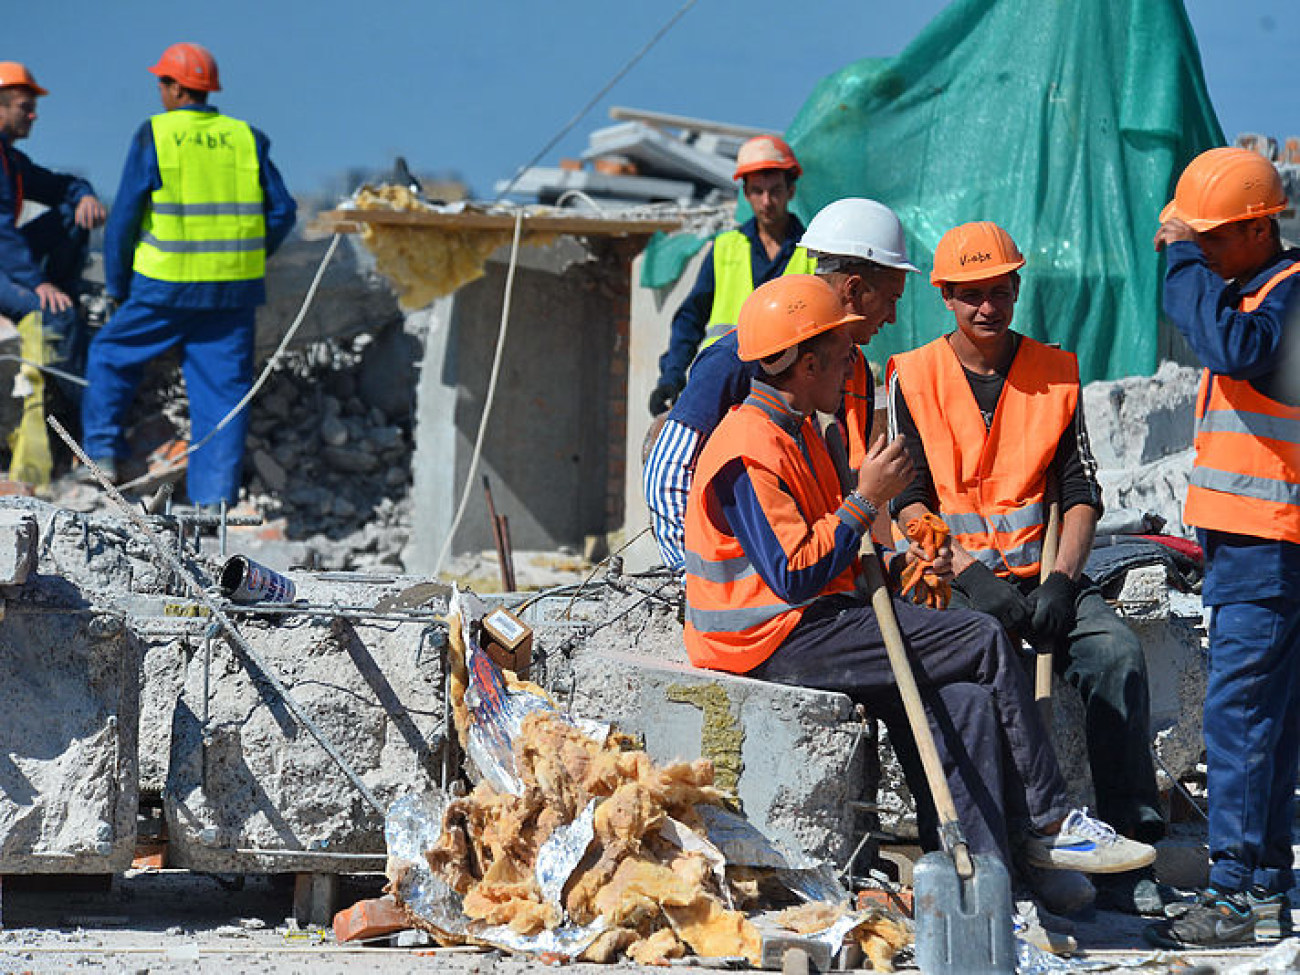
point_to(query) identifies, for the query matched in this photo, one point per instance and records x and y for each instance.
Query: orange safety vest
(857, 416)
(1246, 479)
(991, 482)
(733, 620)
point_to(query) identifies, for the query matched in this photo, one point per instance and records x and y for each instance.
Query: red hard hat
(15, 75)
(190, 66)
(765, 152)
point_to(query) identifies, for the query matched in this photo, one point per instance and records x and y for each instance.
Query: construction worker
(994, 423)
(199, 209)
(1232, 291)
(772, 561)
(860, 250)
(41, 261)
(762, 248)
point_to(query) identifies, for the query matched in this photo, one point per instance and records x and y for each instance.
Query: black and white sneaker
(1215, 920)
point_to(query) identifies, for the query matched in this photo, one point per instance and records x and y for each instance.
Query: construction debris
(574, 842)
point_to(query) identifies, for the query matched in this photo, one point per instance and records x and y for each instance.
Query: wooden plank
(351, 221)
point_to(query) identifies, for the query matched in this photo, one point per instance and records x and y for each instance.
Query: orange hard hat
(190, 66)
(765, 152)
(1224, 185)
(783, 312)
(15, 75)
(974, 252)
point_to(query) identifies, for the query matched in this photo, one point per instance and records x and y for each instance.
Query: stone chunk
(18, 538)
(790, 753)
(272, 474)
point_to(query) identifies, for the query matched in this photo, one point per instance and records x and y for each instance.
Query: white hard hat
(856, 227)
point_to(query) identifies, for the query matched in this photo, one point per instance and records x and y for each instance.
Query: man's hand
(1053, 609)
(663, 397)
(1172, 230)
(997, 597)
(90, 213)
(52, 299)
(885, 471)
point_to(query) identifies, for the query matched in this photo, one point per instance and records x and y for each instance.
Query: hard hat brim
(752, 355)
(1201, 225)
(981, 274)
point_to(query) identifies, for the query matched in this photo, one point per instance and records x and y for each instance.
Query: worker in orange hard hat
(995, 426)
(41, 259)
(762, 248)
(1233, 291)
(772, 558)
(199, 209)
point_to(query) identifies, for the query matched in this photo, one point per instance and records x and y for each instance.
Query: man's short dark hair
(869, 270)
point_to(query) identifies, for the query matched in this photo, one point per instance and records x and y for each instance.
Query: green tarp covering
(1065, 121)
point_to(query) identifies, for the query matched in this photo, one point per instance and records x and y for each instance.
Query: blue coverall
(212, 321)
(51, 248)
(1252, 702)
(692, 318)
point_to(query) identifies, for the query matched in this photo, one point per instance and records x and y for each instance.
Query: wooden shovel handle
(1043, 665)
(906, 681)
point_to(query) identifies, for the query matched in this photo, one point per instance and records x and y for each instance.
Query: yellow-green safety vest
(207, 221)
(733, 280)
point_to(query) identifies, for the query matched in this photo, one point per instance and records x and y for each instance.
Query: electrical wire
(491, 392)
(618, 76)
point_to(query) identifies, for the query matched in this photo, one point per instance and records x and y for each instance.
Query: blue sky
(477, 88)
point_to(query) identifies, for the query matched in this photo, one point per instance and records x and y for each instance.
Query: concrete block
(1183, 863)
(788, 752)
(315, 897)
(69, 696)
(253, 779)
(18, 540)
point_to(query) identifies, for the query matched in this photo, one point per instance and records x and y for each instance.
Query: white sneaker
(1087, 844)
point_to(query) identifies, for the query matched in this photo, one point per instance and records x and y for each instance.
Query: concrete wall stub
(791, 751)
(18, 540)
(69, 694)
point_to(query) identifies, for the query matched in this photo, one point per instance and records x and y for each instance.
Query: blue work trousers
(217, 361)
(1252, 741)
(60, 249)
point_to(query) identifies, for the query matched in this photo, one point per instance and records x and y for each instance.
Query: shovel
(1043, 662)
(962, 902)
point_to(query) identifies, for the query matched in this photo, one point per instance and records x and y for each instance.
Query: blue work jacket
(41, 185)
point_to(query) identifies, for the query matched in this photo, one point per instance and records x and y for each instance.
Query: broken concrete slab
(18, 539)
(751, 730)
(70, 698)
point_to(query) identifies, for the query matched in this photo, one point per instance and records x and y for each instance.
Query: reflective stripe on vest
(207, 220)
(991, 481)
(1246, 478)
(734, 621)
(733, 280)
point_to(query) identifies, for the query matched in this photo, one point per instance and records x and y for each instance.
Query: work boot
(1060, 891)
(1134, 892)
(1041, 929)
(1086, 843)
(1217, 919)
(1272, 913)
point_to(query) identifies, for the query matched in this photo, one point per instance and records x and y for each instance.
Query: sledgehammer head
(963, 926)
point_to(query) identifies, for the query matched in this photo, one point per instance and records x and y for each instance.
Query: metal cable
(618, 76)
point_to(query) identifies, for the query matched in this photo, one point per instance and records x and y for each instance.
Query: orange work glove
(928, 532)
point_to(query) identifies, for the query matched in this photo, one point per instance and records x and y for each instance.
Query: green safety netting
(1065, 121)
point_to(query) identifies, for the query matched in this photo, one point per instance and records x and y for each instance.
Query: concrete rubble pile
(575, 842)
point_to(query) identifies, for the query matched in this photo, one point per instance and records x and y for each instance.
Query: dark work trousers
(995, 751)
(1103, 659)
(1252, 741)
(60, 249)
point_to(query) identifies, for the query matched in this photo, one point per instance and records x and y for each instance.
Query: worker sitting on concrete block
(771, 567)
(762, 248)
(41, 261)
(861, 252)
(991, 418)
(1234, 294)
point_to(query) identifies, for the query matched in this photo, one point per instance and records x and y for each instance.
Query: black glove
(997, 597)
(663, 398)
(1053, 609)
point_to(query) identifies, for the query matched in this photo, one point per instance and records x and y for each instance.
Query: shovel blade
(963, 927)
